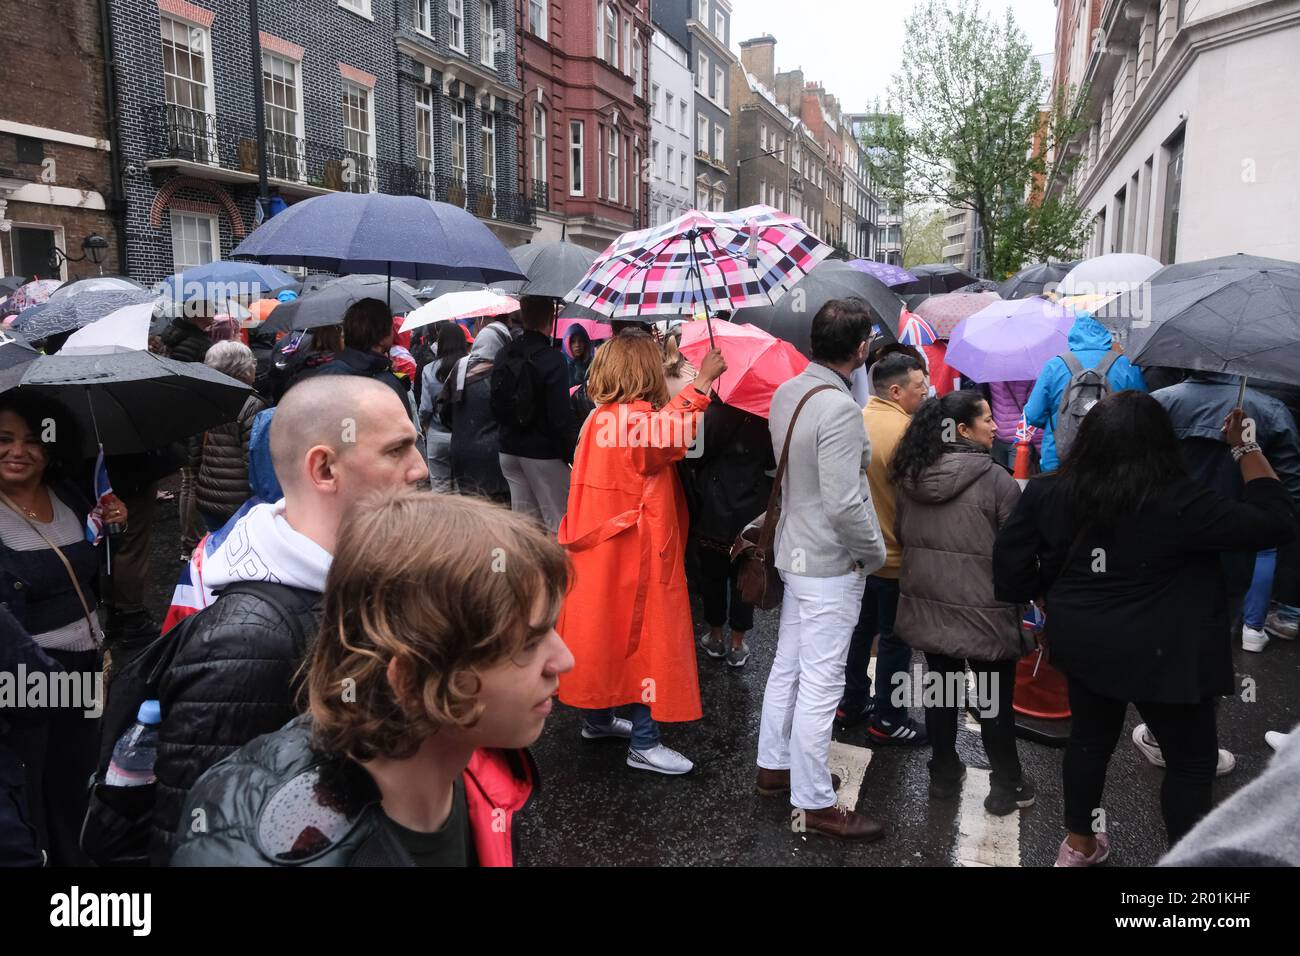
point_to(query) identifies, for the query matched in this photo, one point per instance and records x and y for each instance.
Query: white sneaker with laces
(1276, 739)
(1149, 747)
(660, 759)
(1253, 639)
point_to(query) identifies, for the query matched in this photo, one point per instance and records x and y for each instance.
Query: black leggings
(717, 583)
(1188, 739)
(995, 680)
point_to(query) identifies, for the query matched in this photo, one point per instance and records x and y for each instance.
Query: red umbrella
(944, 311)
(757, 362)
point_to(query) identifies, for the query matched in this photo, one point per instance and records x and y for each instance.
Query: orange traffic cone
(1021, 469)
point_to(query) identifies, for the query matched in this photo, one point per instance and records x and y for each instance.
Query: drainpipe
(117, 202)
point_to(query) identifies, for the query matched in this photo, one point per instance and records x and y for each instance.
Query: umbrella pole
(699, 278)
(389, 292)
(94, 421)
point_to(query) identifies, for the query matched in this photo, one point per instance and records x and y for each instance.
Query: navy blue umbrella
(398, 236)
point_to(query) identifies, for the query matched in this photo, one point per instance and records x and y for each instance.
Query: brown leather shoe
(840, 822)
(773, 783)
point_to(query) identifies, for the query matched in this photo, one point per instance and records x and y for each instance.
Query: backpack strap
(1107, 360)
(1072, 366)
(767, 538)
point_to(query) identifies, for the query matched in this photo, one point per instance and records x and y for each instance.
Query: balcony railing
(541, 190)
(192, 135)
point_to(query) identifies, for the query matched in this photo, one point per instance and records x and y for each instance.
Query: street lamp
(740, 163)
(93, 247)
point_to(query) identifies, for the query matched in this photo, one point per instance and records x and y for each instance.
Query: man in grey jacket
(827, 542)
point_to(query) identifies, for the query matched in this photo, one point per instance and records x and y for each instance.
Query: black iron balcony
(541, 194)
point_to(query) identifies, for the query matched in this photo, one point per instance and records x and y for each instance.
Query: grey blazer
(828, 526)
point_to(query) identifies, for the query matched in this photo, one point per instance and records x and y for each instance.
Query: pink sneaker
(1069, 856)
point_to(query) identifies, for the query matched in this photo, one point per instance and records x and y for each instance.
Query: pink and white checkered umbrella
(706, 261)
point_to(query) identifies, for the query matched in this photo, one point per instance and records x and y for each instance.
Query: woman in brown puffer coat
(223, 457)
(952, 500)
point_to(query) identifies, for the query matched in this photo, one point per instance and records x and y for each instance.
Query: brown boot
(773, 783)
(841, 822)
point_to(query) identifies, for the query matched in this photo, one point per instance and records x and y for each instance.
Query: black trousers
(59, 756)
(995, 685)
(717, 584)
(1188, 739)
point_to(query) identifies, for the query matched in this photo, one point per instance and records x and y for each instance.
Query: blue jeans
(1261, 590)
(645, 732)
(879, 608)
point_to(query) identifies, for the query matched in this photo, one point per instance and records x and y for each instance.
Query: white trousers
(807, 678)
(538, 487)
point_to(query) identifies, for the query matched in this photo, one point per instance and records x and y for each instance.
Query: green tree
(964, 128)
(922, 235)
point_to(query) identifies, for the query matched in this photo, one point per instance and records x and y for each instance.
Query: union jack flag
(914, 330)
(101, 490)
(1024, 431)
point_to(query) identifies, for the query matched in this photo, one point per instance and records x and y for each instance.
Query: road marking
(982, 838)
(850, 763)
(971, 694)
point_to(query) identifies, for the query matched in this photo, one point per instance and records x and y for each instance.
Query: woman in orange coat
(627, 616)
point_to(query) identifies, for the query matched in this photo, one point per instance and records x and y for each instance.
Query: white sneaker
(1253, 639)
(660, 759)
(1149, 747)
(1276, 739)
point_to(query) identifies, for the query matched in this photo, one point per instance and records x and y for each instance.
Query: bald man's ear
(322, 468)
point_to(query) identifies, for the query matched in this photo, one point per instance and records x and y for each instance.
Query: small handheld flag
(101, 489)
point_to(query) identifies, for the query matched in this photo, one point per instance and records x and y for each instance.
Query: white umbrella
(460, 305)
(126, 330)
(1113, 273)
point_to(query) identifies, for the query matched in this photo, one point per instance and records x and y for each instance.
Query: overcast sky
(854, 47)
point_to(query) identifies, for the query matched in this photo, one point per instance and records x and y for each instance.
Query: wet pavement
(593, 810)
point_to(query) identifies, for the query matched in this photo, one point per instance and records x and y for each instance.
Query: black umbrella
(135, 401)
(553, 268)
(67, 314)
(791, 318)
(980, 285)
(935, 277)
(15, 355)
(1239, 321)
(1188, 270)
(1033, 280)
(916, 298)
(327, 305)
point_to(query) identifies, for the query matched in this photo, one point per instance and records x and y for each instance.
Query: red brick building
(585, 66)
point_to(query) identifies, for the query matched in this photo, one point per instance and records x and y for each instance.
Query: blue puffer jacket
(1089, 340)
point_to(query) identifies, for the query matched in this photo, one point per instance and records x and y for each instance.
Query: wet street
(594, 810)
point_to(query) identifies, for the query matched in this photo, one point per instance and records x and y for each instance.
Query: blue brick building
(418, 97)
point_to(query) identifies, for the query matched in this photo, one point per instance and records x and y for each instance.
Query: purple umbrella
(889, 274)
(1010, 340)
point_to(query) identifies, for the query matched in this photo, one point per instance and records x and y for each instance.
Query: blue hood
(1088, 333)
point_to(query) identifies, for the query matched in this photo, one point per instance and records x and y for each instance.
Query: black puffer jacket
(233, 679)
(730, 485)
(223, 462)
(185, 341)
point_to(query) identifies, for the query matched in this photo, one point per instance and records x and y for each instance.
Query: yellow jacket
(886, 421)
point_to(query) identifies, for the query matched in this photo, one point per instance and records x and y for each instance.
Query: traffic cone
(1021, 469)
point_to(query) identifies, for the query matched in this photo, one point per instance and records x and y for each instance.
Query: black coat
(475, 435)
(552, 433)
(223, 462)
(728, 485)
(185, 341)
(233, 679)
(1151, 622)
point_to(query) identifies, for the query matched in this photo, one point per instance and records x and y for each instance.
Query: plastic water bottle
(136, 750)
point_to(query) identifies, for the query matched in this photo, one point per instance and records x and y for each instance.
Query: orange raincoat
(627, 617)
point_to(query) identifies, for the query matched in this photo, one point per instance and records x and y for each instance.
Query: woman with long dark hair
(451, 346)
(1125, 546)
(952, 498)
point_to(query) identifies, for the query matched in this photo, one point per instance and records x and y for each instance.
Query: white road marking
(971, 694)
(982, 838)
(850, 763)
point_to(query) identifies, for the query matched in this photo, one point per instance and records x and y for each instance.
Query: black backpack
(116, 829)
(516, 387)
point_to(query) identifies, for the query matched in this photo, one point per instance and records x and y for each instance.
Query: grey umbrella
(95, 284)
(327, 304)
(1187, 270)
(15, 355)
(553, 268)
(70, 313)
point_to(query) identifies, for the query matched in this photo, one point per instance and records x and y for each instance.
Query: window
(424, 135)
(762, 191)
(456, 25)
(684, 128)
(280, 90)
(489, 146)
(537, 17)
(1117, 234)
(719, 143)
(634, 183)
(1173, 198)
(654, 159)
(701, 198)
(611, 179)
(701, 133)
(720, 26)
(684, 180)
(186, 86)
(654, 100)
(575, 157)
(668, 110)
(459, 162)
(359, 136)
(195, 240)
(424, 16)
(762, 137)
(702, 74)
(611, 35)
(30, 248)
(356, 6)
(780, 199)
(626, 46)
(636, 66)
(539, 144)
(486, 32)
(671, 171)
(719, 85)
(702, 11)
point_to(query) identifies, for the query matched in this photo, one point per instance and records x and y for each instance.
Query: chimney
(758, 56)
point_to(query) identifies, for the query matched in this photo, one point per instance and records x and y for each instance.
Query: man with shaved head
(334, 439)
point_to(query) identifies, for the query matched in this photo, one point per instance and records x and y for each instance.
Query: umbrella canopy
(96, 284)
(914, 330)
(69, 313)
(935, 277)
(15, 355)
(315, 282)
(1010, 341)
(1188, 270)
(1240, 321)
(1035, 279)
(373, 233)
(553, 268)
(595, 330)
(731, 261)
(123, 330)
(261, 310)
(791, 318)
(945, 310)
(326, 305)
(981, 285)
(888, 273)
(1114, 272)
(757, 363)
(224, 281)
(9, 283)
(135, 401)
(460, 305)
(28, 295)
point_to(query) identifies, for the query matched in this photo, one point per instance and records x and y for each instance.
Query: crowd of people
(335, 690)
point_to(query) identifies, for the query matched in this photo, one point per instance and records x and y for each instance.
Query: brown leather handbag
(757, 579)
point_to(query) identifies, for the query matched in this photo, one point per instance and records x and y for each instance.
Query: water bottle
(136, 750)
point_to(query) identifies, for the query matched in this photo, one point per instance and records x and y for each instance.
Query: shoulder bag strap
(67, 565)
(768, 536)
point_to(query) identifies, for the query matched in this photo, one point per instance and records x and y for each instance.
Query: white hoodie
(261, 546)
